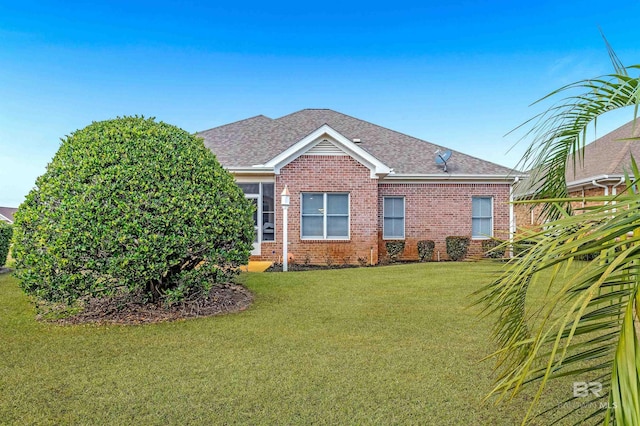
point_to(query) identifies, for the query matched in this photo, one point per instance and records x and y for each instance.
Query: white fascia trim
(299, 148)
(260, 170)
(6, 219)
(439, 178)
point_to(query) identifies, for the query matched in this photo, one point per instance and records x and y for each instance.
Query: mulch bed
(223, 299)
(277, 267)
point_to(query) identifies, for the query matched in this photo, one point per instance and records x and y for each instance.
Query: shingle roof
(8, 212)
(258, 139)
(608, 155)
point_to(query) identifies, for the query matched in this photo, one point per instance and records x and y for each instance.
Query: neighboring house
(6, 214)
(355, 185)
(600, 171)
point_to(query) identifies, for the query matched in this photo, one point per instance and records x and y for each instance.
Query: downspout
(599, 185)
(606, 188)
(512, 216)
(614, 190)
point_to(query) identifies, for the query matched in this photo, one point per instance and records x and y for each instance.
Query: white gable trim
(6, 219)
(376, 167)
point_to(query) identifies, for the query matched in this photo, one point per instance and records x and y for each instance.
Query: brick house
(355, 185)
(599, 172)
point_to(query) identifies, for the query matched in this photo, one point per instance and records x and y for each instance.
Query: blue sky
(460, 74)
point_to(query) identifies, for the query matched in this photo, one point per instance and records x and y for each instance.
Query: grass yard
(389, 345)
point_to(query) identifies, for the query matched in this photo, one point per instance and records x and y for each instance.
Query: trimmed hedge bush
(6, 231)
(457, 247)
(394, 249)
(489, 249)
(131, 205)
(425, 250)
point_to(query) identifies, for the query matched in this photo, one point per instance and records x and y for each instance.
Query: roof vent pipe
(356, 140)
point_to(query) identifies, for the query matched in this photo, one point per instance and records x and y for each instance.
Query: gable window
(481, 217)
(393, 218)
(325, 216)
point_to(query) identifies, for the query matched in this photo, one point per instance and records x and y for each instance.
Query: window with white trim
(325, 216)
(481, 217)
(393, 218)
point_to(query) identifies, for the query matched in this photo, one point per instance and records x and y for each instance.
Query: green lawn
(389, 345)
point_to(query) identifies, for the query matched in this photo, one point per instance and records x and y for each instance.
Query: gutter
(251, 170)
(449, 177)
(587, 181)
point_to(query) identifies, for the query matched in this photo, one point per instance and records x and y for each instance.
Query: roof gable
(317, 136)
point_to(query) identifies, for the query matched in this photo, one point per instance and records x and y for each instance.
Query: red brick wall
(314, 173)
(523, 211)
(435, 211)
(527, 215)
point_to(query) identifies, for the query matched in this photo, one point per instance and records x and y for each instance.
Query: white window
(325, 216)
(481, 217)
(393, 218)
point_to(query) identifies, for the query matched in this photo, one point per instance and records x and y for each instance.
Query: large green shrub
(425, 250)
(5, 240)
(457, 247)
(131, 205)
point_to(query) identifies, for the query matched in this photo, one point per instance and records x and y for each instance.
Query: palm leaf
(578, 330)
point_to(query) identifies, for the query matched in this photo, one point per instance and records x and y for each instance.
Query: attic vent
(325, 147)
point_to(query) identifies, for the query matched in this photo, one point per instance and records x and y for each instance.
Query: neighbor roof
(257, 140)
(7, 212)
(605, 159)
(608, 155)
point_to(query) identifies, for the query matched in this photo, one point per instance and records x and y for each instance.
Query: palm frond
(581, 323)
(560, 133)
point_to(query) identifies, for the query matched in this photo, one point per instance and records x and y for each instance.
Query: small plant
(457, 247)
(394, 249)
(328, 259)
(6, 231)
(363, 261)
(307, 260)
(425, 250)
(493, 249)
(346, 260)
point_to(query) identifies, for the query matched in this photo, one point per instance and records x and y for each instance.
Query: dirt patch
(222, 299)
(5, 270)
